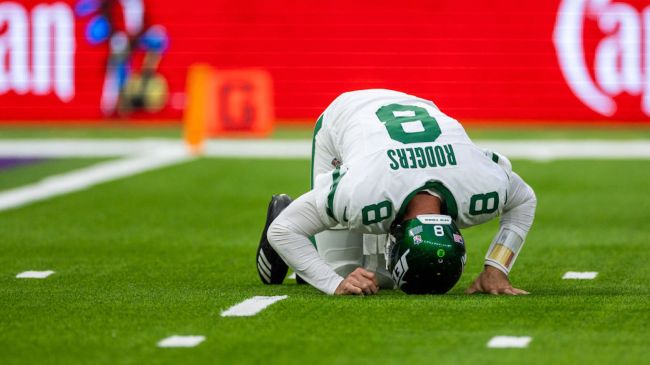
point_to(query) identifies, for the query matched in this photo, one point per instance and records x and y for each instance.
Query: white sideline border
(87, 177)
(544, 150)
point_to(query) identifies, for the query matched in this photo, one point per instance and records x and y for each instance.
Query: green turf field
(301, 131)
(164, 252)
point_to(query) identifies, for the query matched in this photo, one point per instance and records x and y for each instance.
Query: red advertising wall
(569, 60)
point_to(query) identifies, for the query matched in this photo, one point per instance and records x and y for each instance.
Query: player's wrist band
(504, 250)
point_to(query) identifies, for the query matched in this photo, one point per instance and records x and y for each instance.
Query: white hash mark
(34, 274)
(501, 342)
(251, 306)
(587, 275)
(181, 341)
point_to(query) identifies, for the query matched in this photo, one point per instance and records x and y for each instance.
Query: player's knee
(533, 198)
(275, 234)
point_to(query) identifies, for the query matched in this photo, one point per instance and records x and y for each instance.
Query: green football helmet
(426, 254)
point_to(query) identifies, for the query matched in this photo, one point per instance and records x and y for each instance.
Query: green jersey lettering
(440, 156)
(484, 203)
(393, 163)
(402, 158)
(451, 156)
(431, 158)
(375, 213)
(419, 152)
(408, 123)
(418, 157)
(411, 158)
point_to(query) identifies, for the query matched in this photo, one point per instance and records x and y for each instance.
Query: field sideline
(164, 252)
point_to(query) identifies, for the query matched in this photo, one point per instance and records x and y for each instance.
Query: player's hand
(359, 282)
(493, 281)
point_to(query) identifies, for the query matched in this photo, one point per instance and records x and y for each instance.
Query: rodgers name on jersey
(395, 145)
(421, 157)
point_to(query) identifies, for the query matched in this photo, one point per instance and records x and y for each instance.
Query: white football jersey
(393, 145)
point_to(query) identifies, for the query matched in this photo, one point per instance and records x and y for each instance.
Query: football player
(393, 180)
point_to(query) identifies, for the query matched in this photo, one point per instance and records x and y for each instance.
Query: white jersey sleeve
(289, 235)
(519, 212)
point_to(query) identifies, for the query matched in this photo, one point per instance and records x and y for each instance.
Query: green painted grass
(164, 252)
(559, 132)
(27, 174)
(514, 133)
(123, 130)
(77, 130)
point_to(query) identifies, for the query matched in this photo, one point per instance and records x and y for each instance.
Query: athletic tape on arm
(504, 250)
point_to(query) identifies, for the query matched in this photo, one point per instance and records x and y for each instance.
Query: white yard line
(586, 275)
(502, 342)
(83, 147)
(568, 149)
(259, 149)
(90, 176)
(251, 306)
(59, 148)
(262, 148)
